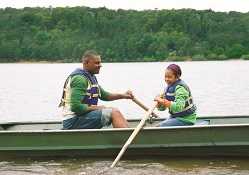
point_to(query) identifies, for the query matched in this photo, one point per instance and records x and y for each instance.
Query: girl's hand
(162, 101)
(159, 100)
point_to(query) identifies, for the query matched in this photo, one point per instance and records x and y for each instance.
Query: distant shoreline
(63, 34)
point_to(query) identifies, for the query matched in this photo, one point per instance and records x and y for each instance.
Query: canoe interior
(56, 125)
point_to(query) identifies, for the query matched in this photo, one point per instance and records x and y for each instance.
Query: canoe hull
(210, 140)
(220, 151)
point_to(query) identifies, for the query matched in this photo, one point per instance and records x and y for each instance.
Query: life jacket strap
(62, 102)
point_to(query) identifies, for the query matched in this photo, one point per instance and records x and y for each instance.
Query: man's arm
(107, 96)
(78, 89)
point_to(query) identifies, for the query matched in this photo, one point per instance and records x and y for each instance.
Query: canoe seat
(202, 122)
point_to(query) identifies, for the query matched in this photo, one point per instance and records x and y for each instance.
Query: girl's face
(170, 77)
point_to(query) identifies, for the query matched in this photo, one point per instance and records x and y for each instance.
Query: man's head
(91, 61)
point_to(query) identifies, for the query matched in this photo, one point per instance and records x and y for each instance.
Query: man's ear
(86, 62)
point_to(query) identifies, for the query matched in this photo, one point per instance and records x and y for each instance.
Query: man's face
(93, 65)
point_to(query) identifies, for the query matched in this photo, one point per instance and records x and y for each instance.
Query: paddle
(143, 106)
(133, 135)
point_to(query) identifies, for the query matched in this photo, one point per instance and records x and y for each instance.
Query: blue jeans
(91, 120)
(173, 122)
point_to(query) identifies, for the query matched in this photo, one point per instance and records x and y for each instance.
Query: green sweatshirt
(78, 89)
(181, 94)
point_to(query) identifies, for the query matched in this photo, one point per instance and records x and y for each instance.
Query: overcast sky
(216, 5)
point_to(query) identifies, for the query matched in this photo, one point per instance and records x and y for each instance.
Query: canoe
(211, 136)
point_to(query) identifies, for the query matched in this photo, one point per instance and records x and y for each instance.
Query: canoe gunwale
(127, 129)
(129, 120)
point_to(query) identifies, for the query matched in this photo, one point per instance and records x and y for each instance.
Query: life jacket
(93, 92)
(189, 107)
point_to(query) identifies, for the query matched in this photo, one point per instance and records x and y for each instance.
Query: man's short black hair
(88, 55)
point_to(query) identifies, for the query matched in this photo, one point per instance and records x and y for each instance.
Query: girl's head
(172, 73)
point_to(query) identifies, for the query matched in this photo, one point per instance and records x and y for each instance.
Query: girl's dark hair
(176, 69)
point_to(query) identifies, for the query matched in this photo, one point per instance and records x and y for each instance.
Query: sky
(216, 5)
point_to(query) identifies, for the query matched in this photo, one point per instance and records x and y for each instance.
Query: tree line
(63, 34)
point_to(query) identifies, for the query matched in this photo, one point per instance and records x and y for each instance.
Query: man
(80, 98)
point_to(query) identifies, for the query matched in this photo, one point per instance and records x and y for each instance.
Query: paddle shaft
(143, 106)
(133, 135)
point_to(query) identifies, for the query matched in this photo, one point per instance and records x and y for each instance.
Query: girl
(177, 98)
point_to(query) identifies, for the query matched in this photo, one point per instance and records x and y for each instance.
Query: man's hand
(128, 95)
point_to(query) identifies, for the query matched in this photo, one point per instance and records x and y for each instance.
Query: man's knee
(115, 111)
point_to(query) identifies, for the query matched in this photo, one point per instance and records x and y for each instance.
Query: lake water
(31, 92)
(168, 166)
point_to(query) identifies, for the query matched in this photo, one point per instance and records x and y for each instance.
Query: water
(169, 166)
(31, 92)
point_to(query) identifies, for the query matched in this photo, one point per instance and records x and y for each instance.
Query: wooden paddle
(143, 106)
(133, 135)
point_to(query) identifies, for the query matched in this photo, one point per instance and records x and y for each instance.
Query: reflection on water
(126, 167)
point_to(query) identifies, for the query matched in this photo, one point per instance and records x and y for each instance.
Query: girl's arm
(179, 103)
